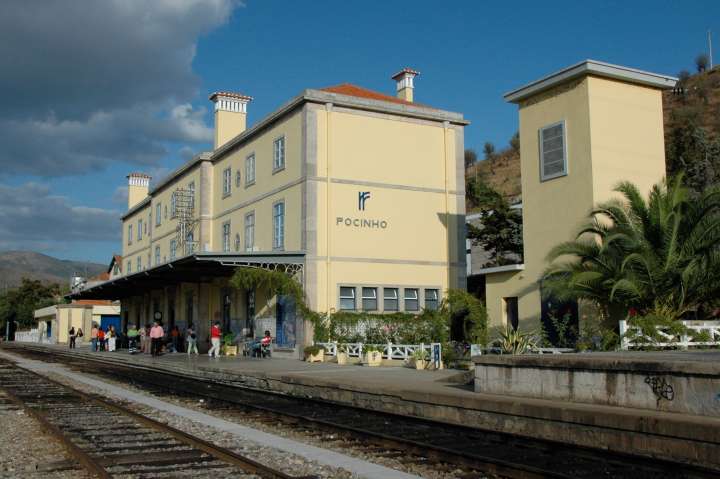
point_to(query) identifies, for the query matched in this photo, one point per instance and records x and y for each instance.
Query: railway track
(488, 451)
(111, 441)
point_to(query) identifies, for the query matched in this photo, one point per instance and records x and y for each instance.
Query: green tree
(701, 62)
(500, 234)
(19, 304)
(692, 152)
(470, 158)
(515, 142)
(659, 255)
(488, 150)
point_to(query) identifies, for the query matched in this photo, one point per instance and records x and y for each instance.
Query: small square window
(411, 299)
(431, 299)
(390, 299)
(347, 298)
(369, 299)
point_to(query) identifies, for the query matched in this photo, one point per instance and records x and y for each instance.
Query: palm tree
(659, 254)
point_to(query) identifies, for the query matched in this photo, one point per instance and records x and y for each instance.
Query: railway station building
(357, 194)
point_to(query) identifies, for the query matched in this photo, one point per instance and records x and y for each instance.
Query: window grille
(553, 157)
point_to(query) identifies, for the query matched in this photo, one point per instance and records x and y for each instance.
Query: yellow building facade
(582, 131)
(55, 321)
(358, 194)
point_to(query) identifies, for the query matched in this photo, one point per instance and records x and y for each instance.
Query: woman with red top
(101, 339)
(215, 340)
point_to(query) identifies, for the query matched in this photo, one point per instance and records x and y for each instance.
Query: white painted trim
(591, 67)
(502, 269)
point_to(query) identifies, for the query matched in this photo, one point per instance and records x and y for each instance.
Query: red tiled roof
(230, 94)
(354, 90)
(116, 259)
(403, 71)
(101, 277)
(94, 302)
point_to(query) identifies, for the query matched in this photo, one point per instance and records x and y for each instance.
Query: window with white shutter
(553, 151)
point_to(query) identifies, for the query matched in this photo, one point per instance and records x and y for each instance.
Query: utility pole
(710, 48)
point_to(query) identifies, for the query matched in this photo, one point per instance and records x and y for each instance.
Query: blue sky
(123, 86)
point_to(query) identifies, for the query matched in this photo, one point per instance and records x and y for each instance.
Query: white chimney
(405, 86)
(230, 115)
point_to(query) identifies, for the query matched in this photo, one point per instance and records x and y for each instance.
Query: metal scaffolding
(183, 203)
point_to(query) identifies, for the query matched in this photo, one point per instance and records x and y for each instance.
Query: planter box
(230, 350)
(342, 358)
(373, 358)
(419, 363)
(315, 358)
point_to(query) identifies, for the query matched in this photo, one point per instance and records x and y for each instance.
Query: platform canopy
(193, 268)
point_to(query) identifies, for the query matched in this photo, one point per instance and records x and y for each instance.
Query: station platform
(450, 396)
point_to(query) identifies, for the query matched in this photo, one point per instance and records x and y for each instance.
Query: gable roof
(116, 259)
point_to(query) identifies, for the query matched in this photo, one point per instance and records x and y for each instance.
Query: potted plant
(420, 358)
(314, 354)
(342, 355)
(229, 349)
(373, 356)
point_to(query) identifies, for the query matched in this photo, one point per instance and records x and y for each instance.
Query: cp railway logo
(363, 196)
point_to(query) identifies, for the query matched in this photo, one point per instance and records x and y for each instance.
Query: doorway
(560, 322)
(512, 316)
(285, 322)
(226, 303)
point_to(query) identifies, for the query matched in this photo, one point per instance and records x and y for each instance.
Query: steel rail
(89, 462)
(92, 465)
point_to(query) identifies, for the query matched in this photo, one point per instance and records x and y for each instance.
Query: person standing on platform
(215, 340)
(143, 339)
(94, 338)
(101, 339)
(156, 335)
(72, 336)
(111, 338)
(191, 341)
(132, 335)
(175, 338)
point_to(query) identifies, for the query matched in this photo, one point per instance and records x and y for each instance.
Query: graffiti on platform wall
(661, 388)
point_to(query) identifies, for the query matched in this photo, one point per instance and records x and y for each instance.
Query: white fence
(389, 351)
(34, 336)
(700, 333)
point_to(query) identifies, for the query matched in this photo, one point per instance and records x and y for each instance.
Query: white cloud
(90, 82)
(30, 214)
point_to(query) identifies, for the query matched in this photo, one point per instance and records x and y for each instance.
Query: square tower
(582, 131)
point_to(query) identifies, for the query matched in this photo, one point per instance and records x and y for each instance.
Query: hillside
(692, 138)
(15, 265)
(502, 172)
(695, 101)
